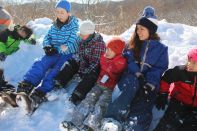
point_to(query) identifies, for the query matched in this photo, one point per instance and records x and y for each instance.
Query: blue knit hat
(149, 19)
(64, 4)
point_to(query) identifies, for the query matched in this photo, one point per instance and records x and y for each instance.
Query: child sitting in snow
(91, 47)
(90, 111)
(60, 44)
(181, 113)
(9, 44)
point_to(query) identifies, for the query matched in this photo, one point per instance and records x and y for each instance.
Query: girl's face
(109, 53)
(191, 66)
(62, 14)
(142, 32)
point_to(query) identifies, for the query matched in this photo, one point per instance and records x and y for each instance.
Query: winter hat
(64, 4)
(116, 44)
(149, 12)
(86, 27)
(192, 55)
(149, 20)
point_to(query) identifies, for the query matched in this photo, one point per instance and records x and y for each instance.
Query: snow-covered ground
(178, 37)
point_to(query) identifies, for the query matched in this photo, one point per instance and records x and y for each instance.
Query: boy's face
(84, 37)
(62, 14)
(191, 66)
(110, 53)
(22, 33)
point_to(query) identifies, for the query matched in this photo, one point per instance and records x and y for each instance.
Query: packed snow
(178, 37)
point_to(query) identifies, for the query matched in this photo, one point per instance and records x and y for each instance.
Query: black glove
(50, 50)
(32, 41)
(161, 101)
(2, 57)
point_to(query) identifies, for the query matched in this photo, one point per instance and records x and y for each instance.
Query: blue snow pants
(120, 107)
(46, 70)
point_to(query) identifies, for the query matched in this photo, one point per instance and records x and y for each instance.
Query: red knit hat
(116, 44)
(192, 55)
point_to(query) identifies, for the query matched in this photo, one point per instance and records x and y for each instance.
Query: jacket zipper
(144, 57)
(193, 99)
(11, 44)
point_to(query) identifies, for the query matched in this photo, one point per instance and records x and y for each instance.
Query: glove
(2, 57)
(148, 88)
(161, 101)
(128, 54)
(32, 41)
(50, 50)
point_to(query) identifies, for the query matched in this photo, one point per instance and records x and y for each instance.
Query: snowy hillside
(178, 37)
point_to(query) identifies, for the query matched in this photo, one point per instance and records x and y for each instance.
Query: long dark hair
(136, 44)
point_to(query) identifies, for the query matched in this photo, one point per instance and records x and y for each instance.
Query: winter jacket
(9, 42)
(154, 61)
(113, 68)
(64, 35)
(90, 52)
(5, 19)
(184, 87)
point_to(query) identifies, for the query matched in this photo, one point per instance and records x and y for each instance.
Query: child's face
(142, 32)
(84, 37)
(191, 66)
(62, 14)
(22, 33)
(110, 53)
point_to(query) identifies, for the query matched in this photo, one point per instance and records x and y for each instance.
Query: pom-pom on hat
(149, 19)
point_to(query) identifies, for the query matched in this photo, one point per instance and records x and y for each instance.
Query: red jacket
(185, 85)
(113, 68)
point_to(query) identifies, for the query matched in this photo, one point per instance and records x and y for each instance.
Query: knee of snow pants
(40, 68)
(48, 81)
(67, 71)
(120, 107)
(86, 83)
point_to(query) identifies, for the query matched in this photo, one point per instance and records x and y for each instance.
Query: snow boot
(76, 98)
(110, 124)
(30, 102)
(68, 126)
(7, 94)
(8, 97)
(25, 87)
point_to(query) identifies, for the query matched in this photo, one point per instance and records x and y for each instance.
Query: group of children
(133, 71)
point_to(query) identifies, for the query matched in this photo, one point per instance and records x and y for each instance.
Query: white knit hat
(86, 27)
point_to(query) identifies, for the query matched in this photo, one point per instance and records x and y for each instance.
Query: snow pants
(46, 70)
(132, 105)
(91, 110)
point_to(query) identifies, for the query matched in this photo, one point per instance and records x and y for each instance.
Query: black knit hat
(149, 23)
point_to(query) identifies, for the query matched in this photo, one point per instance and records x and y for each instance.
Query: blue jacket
(154, 61)
(66, 35)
